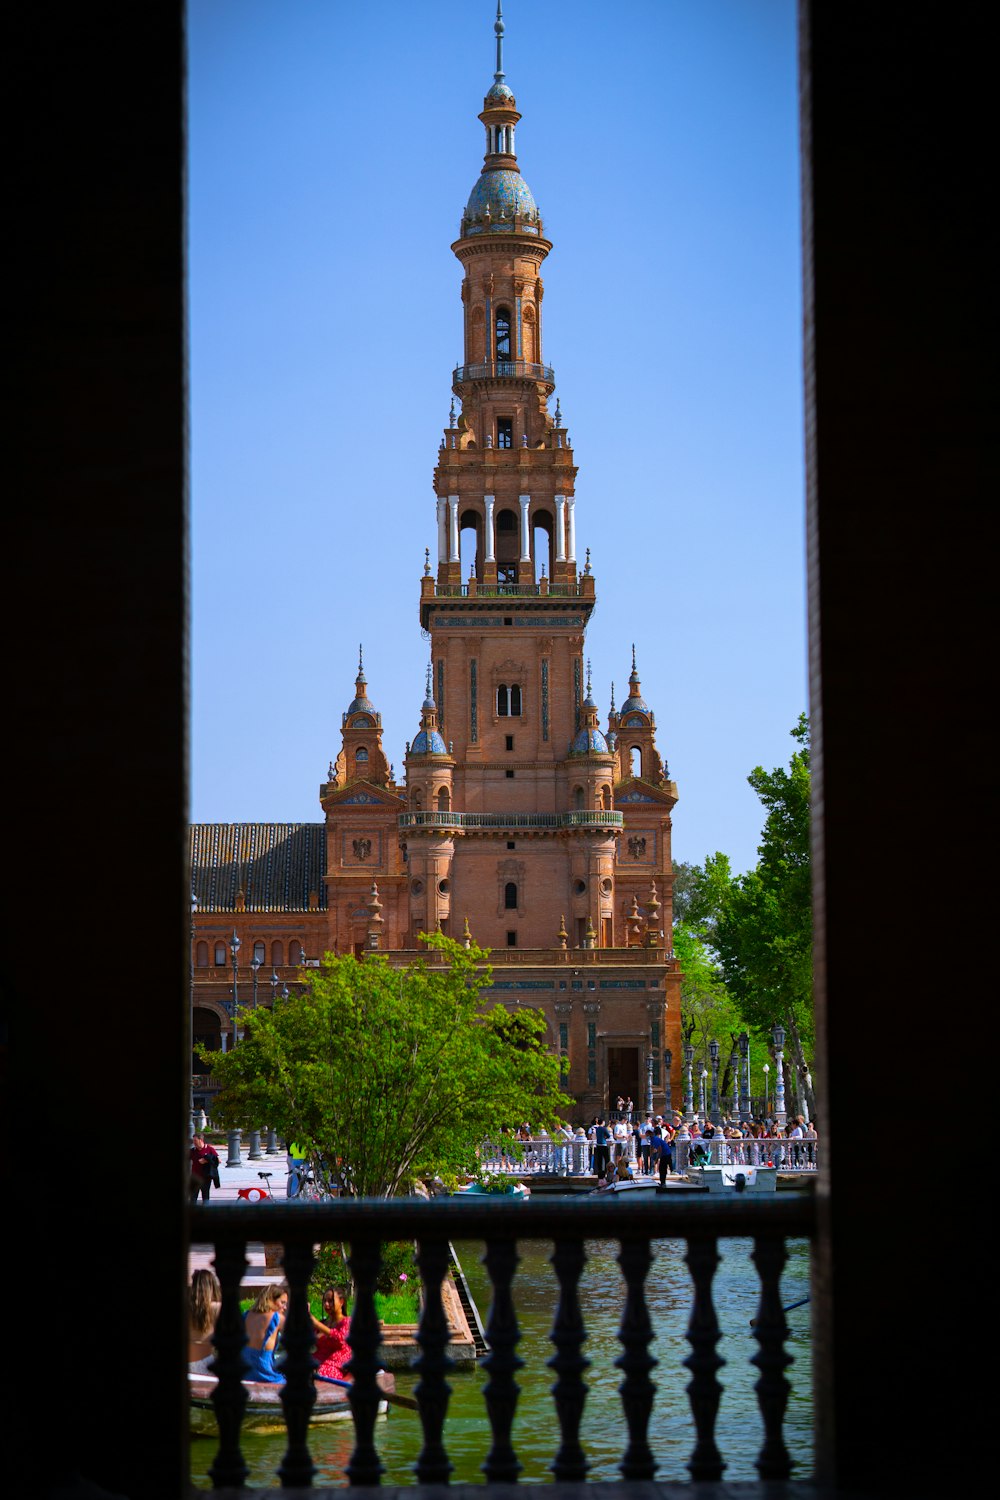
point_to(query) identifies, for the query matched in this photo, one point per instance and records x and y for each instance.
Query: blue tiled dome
(502, 191)
(361, 706)
(501, 91)
(589, 742)
(428, 742)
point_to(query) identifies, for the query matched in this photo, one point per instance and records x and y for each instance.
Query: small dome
(500, 91)
(428, 742)
(589, 742)
(361, 706)
(501, 191)
(634, 703)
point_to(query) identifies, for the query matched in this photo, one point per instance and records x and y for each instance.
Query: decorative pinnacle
(361, 663)
(498, 28)
(558, 413)
(451, 414)
(427, 562)
(612, 698)
(633, 656)
(588, 676)
(428, 701)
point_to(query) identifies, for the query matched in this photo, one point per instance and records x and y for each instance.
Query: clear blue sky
(332, 147)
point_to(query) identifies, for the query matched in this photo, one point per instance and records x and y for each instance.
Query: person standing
(602, 1136)
(204, 1169)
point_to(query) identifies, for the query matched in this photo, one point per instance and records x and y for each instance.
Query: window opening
(503, 333)
(510, 896)
(512, 940)
(505, 432)
(509, 742)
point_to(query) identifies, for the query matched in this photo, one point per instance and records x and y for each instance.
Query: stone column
(442, 510)
(453, 509)
(525, 501)
(489, 540)
(571, 530)
(560, 528)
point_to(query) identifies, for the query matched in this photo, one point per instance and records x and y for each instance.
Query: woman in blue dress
(262, 1324)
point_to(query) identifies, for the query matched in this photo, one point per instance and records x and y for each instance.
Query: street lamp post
(649, 1084)
(254, 1153)
(233, 1139)
(716, 1113)
(734, 1068)
(688, 1051)
(744, 1076)
(701, 1092)
(255, 964)
(778, 1037)
(668, 1058)
(767, 1080)
(194, 908)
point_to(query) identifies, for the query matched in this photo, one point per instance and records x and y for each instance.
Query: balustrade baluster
(364, 1260)
(704, 1390)
(298, 1394)
(635, 1335)
(770, 1331)
(502, 1363)
(432, 1365)
(229, 1398)
(569, 1362)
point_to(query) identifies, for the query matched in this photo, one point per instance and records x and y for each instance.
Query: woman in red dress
(332, 1348)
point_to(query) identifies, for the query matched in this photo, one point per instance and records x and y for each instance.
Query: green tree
(385, 1074)
(763, 932)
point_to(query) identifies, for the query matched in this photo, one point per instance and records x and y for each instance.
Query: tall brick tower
(520, 815)
(519, 820)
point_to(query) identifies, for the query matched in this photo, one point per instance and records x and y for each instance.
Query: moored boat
(264, 1411)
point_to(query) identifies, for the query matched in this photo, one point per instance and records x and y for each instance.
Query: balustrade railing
(635, 1222)
(579, 818)
(503, 369)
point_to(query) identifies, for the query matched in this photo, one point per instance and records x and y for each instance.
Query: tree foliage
(763, 933)
(385, 1074)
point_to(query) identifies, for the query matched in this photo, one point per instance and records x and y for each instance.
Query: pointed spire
(498, 28)
(612, 709)
(429, 694)
(451, 413)
(361, 666)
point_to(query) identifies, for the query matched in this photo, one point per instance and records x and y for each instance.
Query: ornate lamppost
(744, 1076)
(688, 1051)
(716, 1113)
(194, 908)
(734, 1068)
(767, 1080)
(254, 1153)
(701, 1093)
(649, 1084)
(255, 964)
(668, 1058)
(233, 1138)
(778, 1038)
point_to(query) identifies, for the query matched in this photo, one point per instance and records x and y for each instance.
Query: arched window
(201, 956)
(503, 333)
(444, 800)
(361, 754)
(220, 955)
(295, 951)
(260, 951)
(277, 954)
(606, 798)
(510, 896)
(509, 700)
(578, 798)
(635, 760)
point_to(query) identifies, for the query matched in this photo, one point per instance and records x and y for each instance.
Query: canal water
(604, 1433)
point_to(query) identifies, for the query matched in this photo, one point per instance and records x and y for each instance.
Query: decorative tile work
(474, 701)
(577, 673)
(440, 693)
(501, 190)
(635, 797)
(545, 697)
(522, 984)
(623, 984)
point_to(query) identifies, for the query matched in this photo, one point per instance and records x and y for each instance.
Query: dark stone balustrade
(364, 1224)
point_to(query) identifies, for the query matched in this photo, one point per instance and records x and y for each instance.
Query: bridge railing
(635, 1222)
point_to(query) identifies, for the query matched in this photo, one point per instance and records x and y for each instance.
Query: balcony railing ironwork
(510, 591)
(518, 369)
(580, 818)
(366, 1224)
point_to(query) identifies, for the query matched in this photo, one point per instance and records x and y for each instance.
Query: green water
(536, 1430)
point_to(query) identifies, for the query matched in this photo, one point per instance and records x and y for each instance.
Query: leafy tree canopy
(385, 1074)
(763, 932)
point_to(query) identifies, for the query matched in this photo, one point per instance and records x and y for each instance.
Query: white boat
(508, 1189)
(735, 1179)
(264, 1411)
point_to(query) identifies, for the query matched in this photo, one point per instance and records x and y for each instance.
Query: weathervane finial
(498, 28)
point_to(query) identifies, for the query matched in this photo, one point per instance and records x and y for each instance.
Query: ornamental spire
(498, 28)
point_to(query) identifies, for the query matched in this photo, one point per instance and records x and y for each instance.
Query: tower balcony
(504, 369)
(584, 818)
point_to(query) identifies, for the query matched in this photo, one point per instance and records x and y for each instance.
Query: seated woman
(332, 1348)
(205, 1299)
(263, 1323)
